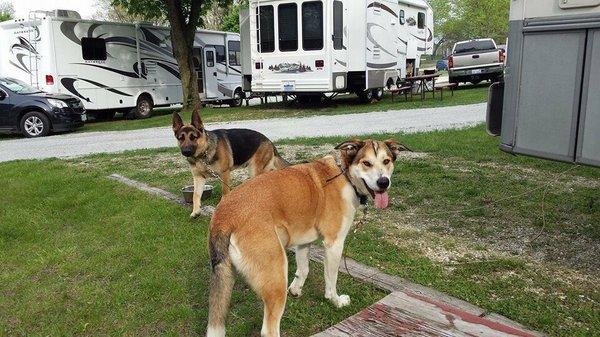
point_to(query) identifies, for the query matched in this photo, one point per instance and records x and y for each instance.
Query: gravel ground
(80, 144)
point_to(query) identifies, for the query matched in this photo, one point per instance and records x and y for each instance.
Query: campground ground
(514, 235)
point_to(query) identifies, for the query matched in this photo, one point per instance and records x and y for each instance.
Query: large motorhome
(309, 48)
(112, 66)
(549, 105)
(416, 32)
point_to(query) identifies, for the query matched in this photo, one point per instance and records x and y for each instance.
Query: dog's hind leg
(225, 182)
(265, 269)
(302, 267)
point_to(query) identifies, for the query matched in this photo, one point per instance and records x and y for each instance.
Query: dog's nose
(383, 183)
(187, 152)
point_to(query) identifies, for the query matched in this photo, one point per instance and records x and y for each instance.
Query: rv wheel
(378, 93)
(365, 96)
(143, 108)
(237, 100)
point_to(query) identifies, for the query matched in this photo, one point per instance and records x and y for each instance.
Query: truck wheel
(365, 96)
(237, 100)
(378, 94)
(35, 124)
(143, 109)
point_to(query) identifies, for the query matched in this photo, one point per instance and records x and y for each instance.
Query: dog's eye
(385, 162)
(367, 163)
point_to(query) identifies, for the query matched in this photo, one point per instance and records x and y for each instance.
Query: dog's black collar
(362, 198)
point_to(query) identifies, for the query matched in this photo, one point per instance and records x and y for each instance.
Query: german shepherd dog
(290, 208)
(218, 152)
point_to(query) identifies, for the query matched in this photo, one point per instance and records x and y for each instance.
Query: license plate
(476, 71)
(83, 117)
(289, 86)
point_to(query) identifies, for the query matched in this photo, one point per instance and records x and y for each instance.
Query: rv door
(198, 68)
(211, 86)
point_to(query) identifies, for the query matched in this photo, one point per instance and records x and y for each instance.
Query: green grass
(77, 248)
(83, 255)
(482, 255)
(340, 105)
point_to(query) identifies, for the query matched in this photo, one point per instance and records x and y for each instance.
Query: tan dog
(254, 225)
(218, 152)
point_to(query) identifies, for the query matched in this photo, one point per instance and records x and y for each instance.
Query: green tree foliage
(231, 22)
(457, 20)
(6, 11)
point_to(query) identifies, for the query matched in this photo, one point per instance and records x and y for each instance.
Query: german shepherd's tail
(221, 284)
(278, 160)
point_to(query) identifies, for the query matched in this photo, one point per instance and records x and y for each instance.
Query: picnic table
(423, 79)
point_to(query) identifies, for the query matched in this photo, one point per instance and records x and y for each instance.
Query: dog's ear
(196, 121)
(350, 148)
(396, 148)
(177, 122)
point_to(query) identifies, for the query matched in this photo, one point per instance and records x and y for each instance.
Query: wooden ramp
(407, 314)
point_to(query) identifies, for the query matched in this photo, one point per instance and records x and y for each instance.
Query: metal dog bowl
(188, 193)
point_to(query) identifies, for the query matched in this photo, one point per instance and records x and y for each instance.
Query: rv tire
(365, 96)
(144, 106)
(238, 99)
(378, 94)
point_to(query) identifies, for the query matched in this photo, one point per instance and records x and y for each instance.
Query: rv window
(421, 21)
(312, 25)
(288, 27)
(210, 58)
(266, 32)
(402, 17)
(338, 25)
(93, 48)
(235, 54)
(220, 54)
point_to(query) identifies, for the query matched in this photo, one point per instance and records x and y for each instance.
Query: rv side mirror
(2, 95)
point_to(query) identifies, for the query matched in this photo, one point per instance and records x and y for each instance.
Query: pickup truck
(475, 61)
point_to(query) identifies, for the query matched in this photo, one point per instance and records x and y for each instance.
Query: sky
(86, 8)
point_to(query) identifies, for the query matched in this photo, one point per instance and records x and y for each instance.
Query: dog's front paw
(294, 290)
(195, 214)
(340, 301)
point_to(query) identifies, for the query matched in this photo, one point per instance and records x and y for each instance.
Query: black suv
(35, 113)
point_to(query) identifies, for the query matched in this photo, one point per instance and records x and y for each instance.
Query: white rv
(315, 47)
(416, 34)
(548, 105)
(115, 66)
(328, 46)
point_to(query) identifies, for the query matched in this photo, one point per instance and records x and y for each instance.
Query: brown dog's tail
(221, 284)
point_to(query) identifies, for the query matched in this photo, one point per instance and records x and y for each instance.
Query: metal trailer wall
(551, 106)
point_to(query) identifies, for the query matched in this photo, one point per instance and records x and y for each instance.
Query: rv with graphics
(549, 106)
(309, 48)
(416, 32)
(116, 66)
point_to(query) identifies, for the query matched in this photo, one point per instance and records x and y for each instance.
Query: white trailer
(416, 34)
(549, 105)
(116, 66)
(316, 47)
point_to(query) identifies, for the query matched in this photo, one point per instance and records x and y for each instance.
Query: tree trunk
(182, 39)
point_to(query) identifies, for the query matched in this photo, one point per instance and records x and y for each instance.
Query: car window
(17, 86)
(465, 47)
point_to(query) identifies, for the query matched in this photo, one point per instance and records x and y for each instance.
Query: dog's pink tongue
(382, 200)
